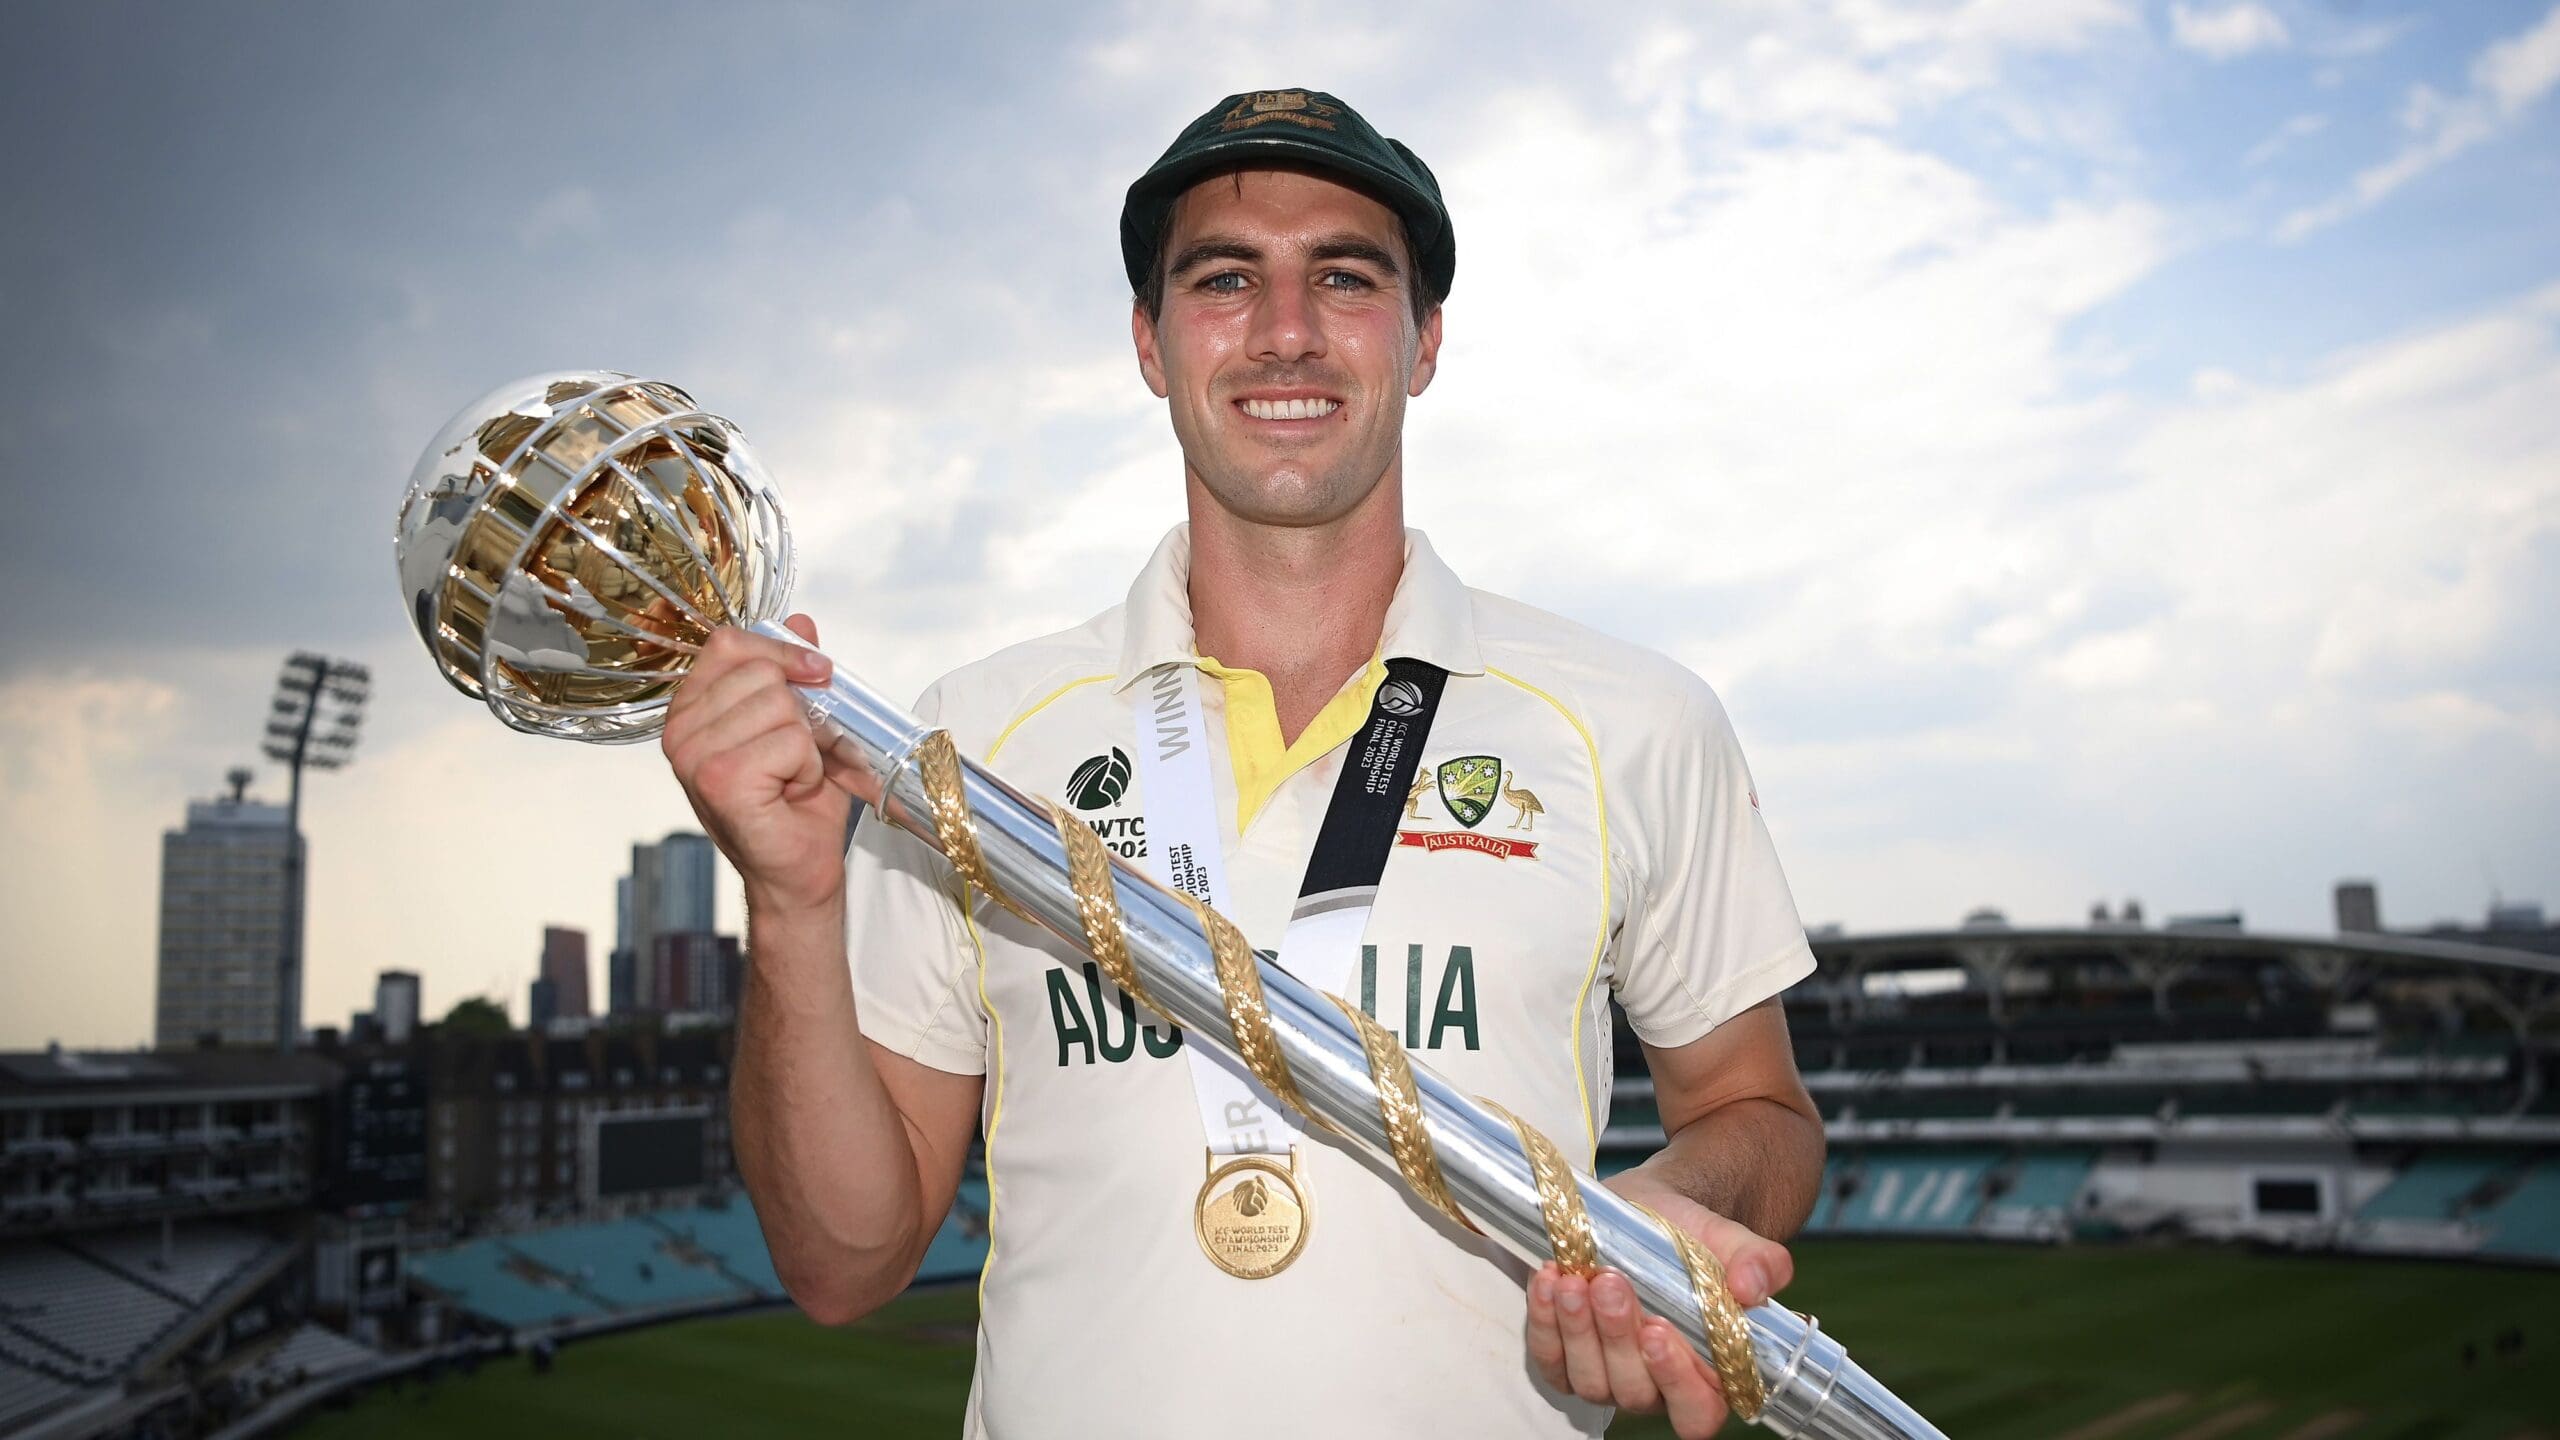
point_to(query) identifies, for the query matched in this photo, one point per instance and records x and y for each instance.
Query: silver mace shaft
(1813, 1388)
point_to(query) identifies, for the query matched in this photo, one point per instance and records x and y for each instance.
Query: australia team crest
(1469, 788)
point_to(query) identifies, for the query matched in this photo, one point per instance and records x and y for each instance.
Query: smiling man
(1463, 814)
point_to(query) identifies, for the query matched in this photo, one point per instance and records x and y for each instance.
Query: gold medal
(1252, 1216)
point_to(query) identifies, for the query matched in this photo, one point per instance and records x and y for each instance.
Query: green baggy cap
(1302, 127)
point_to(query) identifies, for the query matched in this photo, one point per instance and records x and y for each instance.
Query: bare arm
(852, 1153)
(1745, 1139)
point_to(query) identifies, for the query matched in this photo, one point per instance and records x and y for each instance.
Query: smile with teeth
(1307, 409)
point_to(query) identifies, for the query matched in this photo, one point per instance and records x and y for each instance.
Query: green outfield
(2126, 1343)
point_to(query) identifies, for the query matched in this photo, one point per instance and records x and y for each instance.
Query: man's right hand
(741, 746)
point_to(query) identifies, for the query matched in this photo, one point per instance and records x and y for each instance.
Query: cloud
(2507, 79)
(2229, 32)
(2283, 137)
(1851, 66)
(1791, 339)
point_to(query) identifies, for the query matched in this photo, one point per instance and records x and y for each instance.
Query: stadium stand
(26, 1395)
(690, 1258)
(2435, 1186)
(188, 1264)
(2034, 1197)
(80, 1322)
(624, 1265)
(732, 1236)
(2524, 1224)
(486, 1279)
(1916, 1192)
(311, 1352)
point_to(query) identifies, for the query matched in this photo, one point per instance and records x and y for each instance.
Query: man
(1579, 815)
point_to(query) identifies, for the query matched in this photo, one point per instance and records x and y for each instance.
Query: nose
(1286, 325)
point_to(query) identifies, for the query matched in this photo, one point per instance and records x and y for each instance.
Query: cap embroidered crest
(1264, 106)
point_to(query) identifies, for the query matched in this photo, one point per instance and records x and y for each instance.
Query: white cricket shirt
(1584, 819)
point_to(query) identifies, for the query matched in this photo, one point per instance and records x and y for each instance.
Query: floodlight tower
(318, 707)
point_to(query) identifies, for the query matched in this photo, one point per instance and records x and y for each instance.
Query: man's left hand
(1589, 1338)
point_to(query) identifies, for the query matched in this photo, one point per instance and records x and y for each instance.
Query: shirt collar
(1431, 618)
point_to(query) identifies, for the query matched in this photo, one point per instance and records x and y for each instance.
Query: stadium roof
(42, 1077)
(2117, 939)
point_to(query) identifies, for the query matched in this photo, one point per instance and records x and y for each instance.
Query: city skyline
(2093, 449)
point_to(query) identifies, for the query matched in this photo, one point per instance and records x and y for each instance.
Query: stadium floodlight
(313, 723)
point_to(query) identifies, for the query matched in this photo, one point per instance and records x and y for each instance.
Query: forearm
(1755, 1161)
(821, 1145)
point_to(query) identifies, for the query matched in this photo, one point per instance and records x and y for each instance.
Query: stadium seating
(693, 1257)
(2304, 1100)
(24, 1395)
(732, 1234)
(2047, 1180)
(76, 1320)
(1929, 1104)
(2526, 1222)
(1916, 1191)
(2433, 1185)
(479, 1277)
(198, 1259)
(2096, 1101)
(312, 1352)
(623, 1263)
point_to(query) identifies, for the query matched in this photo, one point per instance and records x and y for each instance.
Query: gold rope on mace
(1568, 1225)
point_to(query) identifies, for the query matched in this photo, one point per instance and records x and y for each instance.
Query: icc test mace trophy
(568, 543)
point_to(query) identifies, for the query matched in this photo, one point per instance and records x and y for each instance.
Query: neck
(1304, 605)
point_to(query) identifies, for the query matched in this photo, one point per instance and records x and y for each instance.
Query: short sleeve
(1712, 929)
(913, 961)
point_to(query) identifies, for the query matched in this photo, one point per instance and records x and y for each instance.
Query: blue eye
(1358, 282)
(1215, 286)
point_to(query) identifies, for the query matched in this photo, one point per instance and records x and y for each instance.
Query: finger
(785, 756)
(802, 626)
(746, 703)
(1586, 1371)
(1614, 1310)
(730, 646)
(723, 656)
(1692, 1396)
(1546, 1342)
(1755, 1268)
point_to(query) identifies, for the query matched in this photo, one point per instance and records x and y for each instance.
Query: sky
(2095, 449)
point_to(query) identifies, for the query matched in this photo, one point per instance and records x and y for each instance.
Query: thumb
(802, 626)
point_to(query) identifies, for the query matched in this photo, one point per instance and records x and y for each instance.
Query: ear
(1142, 333)
(1426, 355)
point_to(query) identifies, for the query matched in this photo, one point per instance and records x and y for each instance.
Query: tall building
(2359, 908)
(222, 923)
(620, 964)
(396, 1003)
(672, 886)
(696, 972)
(542, 1005)
(564, 964)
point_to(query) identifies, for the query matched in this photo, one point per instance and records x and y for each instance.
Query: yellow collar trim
(1261, 762)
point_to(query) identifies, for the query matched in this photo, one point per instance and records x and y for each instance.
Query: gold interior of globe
(665, 515)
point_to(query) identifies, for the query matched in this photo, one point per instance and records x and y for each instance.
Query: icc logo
(1400, 697)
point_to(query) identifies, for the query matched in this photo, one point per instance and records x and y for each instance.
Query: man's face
(1287, 346)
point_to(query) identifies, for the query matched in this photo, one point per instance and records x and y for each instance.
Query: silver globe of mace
(569, 542)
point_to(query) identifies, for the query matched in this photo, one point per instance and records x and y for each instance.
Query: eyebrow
(1333, 247)
(1201, 252)
(1354, 247)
